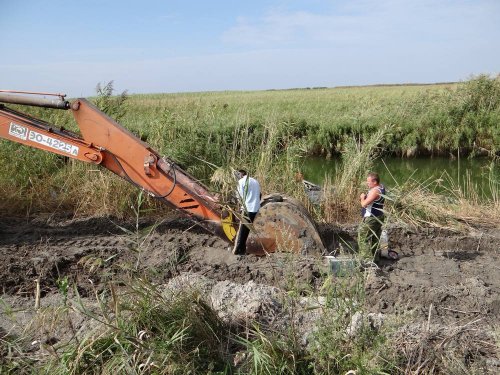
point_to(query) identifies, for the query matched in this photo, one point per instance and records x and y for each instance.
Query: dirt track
(458, 274)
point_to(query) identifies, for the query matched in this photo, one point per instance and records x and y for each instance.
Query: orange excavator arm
(21, 128)
(103, 141)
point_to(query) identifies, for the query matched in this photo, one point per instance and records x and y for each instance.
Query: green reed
(266, 132)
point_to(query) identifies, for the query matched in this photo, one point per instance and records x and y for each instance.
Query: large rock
(361, 320)
(238, 303)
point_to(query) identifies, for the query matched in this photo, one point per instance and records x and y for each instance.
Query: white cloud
(360, 21)
(293, 28)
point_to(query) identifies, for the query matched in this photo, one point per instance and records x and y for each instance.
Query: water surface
(481, 174)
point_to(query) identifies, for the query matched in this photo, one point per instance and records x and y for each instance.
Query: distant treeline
(399, 84)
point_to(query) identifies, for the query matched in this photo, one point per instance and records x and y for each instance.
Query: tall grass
(13, 356)
(456, 207)
(341, 194)
(265, 132)
(146, 332)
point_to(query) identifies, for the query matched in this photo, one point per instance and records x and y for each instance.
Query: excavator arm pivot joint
(149, 162)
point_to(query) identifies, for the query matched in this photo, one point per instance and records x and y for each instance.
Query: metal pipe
(36, 102)
(62, 96)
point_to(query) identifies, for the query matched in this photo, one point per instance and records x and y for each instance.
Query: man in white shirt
(249, 196)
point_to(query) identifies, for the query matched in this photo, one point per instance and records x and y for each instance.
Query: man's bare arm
(372, 196)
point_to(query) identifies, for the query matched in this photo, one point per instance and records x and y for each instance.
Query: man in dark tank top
(372, 211)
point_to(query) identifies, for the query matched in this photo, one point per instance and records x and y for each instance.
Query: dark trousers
(240, 246)
(369, 237)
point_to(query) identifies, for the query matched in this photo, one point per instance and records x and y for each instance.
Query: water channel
(440, 174)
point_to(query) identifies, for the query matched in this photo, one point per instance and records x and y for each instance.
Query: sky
(153, 46)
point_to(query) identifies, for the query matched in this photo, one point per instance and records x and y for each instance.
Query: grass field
(266, 132)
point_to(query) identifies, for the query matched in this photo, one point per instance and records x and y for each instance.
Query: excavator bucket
(283, 224)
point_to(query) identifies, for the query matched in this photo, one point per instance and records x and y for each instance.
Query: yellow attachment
(228, 226)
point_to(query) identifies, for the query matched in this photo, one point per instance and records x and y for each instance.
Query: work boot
(239, 250)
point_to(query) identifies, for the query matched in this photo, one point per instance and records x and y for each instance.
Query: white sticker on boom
(53, 143)
(18, 131)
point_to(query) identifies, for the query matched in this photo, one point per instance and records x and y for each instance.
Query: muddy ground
(442, 277)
